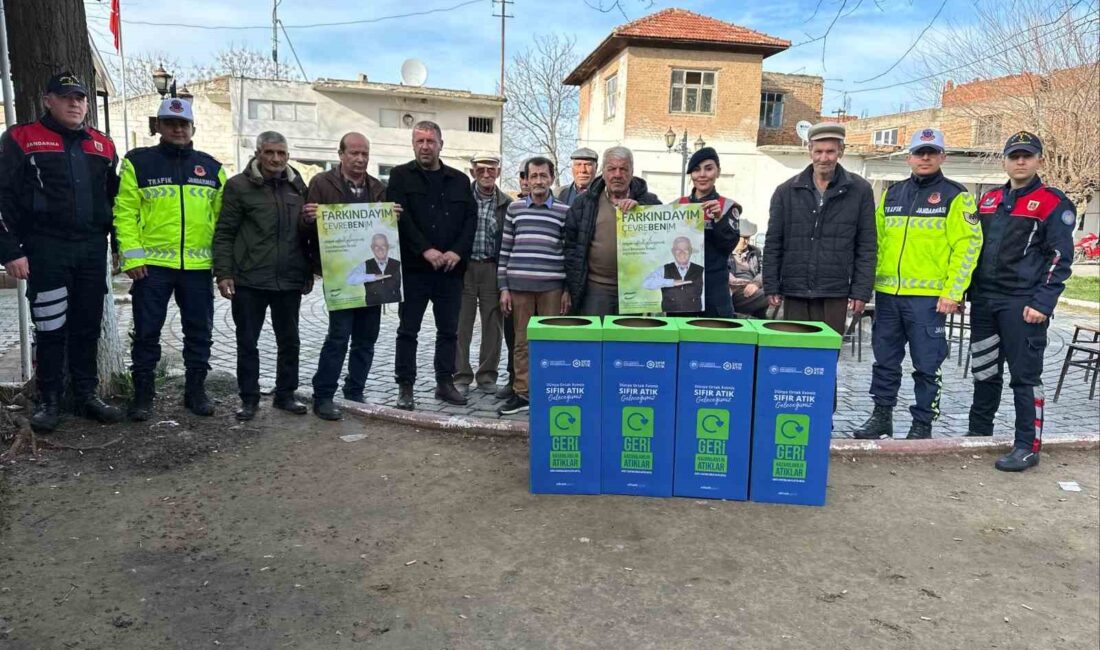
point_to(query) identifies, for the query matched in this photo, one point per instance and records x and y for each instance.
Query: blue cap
(66, 83)
(927, 139)
(1024, 141)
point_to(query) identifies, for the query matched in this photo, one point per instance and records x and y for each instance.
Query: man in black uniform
(57, 184)
(1024, 264)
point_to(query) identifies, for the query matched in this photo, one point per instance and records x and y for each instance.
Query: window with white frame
(610, 96)
(691, 91)
(886, 137)
(771, 110)
(265, 109)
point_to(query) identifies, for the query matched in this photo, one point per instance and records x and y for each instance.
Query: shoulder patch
(1069, 217)
(971, 218)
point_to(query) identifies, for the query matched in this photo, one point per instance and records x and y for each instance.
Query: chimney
(362, 78)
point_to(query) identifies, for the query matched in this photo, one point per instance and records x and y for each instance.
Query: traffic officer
(928, 244)
(1022, 270)
(57, 182)
(168, 202)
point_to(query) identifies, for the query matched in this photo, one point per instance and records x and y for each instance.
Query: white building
(231, 111)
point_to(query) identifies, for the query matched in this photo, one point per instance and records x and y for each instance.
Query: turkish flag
(116, 23)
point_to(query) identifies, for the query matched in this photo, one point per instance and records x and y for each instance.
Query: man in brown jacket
(348, 182)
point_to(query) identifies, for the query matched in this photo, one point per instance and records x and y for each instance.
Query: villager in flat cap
(827, 131)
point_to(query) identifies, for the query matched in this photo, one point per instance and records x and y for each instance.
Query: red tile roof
(681, 25)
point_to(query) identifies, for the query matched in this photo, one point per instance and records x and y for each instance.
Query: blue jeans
(360, 325)
(913, 320)
(194, 292)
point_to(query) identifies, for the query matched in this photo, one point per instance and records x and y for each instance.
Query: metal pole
(683, 162)
(125, 112)
(26, 363)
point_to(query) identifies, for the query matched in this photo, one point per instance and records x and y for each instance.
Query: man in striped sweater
(531, 266)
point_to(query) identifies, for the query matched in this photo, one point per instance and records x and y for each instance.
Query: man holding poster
(349, 183)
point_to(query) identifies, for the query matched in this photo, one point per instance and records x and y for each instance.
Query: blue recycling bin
(565, 420)
(793, 415)
(639, 405)
(714, 407)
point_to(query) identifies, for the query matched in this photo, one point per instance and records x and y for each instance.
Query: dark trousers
(444, 291)
(65, 289)
(831, 311)
(249, 311)
(755, 306)
(599, 300)
(913, 320)
(510, 342)
(360, 326)
(998, 333)
(194, 292)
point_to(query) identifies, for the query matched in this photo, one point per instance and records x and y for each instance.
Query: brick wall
(801, 101)
(736, 97)
(958, 127)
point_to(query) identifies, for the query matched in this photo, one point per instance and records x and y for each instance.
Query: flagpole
(122, 56)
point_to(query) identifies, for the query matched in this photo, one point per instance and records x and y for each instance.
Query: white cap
(927, 139)
(176, 109)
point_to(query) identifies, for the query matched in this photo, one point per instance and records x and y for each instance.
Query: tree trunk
(45, 38)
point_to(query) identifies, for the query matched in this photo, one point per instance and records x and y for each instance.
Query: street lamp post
(165, 85)
(685, 153)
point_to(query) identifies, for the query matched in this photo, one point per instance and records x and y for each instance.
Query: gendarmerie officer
(1025, 262)
(57, 183)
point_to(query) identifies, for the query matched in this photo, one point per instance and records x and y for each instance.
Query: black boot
(447, 392)
(920, 431)
(96, 409)
(141, 406)
(879, 425)
(290, 404)
(405, 399)
(978, 434)
(326, 409)
(194, 394)
(248, 409)
(47, 414)
(1017, 460)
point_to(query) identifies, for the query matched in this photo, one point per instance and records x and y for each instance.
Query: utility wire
(294, 52)
(342, 23)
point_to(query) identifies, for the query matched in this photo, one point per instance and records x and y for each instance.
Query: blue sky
(461, 47)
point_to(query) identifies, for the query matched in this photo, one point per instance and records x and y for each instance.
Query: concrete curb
(1074, 302)
(839, 447)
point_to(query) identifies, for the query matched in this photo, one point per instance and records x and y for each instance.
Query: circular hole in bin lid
(565, 322)
(715, 323)
(639, 322)
(793, 328)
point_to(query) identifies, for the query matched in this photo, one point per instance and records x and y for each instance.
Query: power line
(967, 64)
(294, 52)
(342, 23)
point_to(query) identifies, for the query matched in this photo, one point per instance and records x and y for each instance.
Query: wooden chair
(1090, 362)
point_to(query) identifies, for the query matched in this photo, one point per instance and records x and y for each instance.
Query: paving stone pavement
(1074, 414)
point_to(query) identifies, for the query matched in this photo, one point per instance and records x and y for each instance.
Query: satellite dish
(803, 130)
(413, 73)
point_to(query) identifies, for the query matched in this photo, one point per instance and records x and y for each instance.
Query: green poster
(360, 254)
(660, 257)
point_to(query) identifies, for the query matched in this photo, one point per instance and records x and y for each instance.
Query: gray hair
(618, 153)
(382, 236)
(269, 137)
(686, 240)
(428, 125)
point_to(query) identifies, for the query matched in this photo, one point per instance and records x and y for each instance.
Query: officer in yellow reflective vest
(929, 239)
(168, 202)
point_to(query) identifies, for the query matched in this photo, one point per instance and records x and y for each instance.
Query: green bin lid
(640, 329)
(796, 334)
(716, 330)
(564, 328)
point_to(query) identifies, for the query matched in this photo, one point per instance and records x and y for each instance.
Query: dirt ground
(279, 534)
